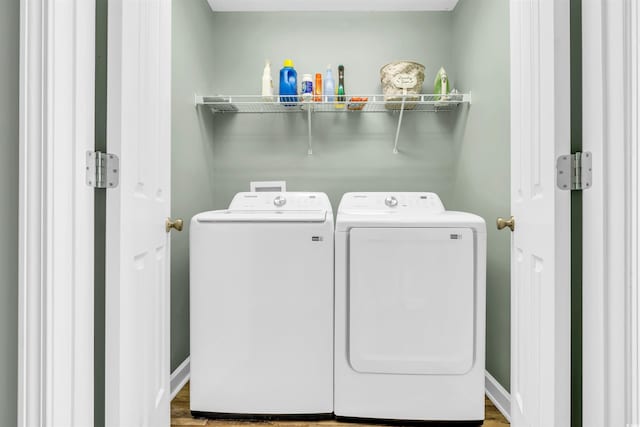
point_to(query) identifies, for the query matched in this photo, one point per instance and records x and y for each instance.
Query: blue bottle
(288, 82)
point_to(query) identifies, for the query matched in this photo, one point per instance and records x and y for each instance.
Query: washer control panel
(400, 202)
(290, 201)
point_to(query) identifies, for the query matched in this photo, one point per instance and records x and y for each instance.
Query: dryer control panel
(404, 202)
(285, 201)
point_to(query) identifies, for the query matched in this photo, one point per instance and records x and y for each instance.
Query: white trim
(498, 395)
(180, 376)
(631, 85)
(331, 5)
(611, 379)
(55, 337)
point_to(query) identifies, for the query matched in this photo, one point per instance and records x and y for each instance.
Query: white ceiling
(330, 5)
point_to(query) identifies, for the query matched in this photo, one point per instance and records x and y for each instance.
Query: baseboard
(180, 376)
(498, 395)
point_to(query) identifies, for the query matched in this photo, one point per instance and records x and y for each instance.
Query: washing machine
(409, 309)
(261, 307)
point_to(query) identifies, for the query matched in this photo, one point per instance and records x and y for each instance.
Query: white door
(540, 251)
(137, 260)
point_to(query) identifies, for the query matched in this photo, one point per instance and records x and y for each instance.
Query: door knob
(176, 224)
(502, 223)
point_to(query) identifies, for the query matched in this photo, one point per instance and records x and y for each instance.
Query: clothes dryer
(409, 309)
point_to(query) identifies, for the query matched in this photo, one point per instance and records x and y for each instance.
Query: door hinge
(103, 170)
(573, 171)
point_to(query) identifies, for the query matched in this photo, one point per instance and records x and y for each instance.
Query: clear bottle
(329, 85)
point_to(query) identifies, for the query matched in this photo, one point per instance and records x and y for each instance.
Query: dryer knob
(391, 201)
(279, 201)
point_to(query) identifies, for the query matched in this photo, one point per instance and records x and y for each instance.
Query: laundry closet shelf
(374, 104)
(353, 104)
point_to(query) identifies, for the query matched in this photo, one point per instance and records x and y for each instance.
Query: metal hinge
(103, 170)
(573, 171)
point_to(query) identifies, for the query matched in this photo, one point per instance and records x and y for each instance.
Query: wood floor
(181, 416)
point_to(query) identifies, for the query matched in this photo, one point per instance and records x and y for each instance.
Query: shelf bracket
(310, 149)
(395, 144)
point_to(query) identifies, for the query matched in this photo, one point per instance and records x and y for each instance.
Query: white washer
(409, 309)
(261, 300)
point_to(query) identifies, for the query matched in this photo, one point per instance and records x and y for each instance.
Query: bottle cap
(288, 63)
(306, 77)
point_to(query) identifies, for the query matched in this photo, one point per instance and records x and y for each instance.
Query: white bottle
(307, 88)
(267, 83)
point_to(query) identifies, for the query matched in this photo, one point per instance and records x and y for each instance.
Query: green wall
(100, 220)
(351, 152)
(9, 48)
(576, 217)
(463, 156)
(482, 169)
(216, 157)
(192, 150)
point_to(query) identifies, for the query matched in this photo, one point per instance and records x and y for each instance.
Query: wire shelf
(351, 104)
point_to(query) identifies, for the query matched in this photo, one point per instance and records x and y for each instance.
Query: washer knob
(279, 201)
(391, 201)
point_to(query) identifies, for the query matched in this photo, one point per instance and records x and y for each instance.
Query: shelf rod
(395, 144)
(310, 150)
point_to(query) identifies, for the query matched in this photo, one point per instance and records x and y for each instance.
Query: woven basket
(401, 78)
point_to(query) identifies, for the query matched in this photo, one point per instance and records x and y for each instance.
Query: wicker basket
(401, 78)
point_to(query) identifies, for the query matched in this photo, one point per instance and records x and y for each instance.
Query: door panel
(540, 289)
(137, 263)
(411, 300)
(261, 317)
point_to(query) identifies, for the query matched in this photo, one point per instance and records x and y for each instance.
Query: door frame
(611, 301)
(56, 213)
(55, 337)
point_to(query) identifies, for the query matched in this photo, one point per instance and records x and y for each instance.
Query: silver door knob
(391, 201)
(279, 201)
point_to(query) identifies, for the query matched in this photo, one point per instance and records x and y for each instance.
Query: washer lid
(280, 201)
(262, 216)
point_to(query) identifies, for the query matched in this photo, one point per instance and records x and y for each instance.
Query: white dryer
(261, 298)
(409, 309)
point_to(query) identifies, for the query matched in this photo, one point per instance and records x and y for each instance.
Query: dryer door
(411, 300)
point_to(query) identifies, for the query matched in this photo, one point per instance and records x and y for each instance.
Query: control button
(279, 201)
(391, 201)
